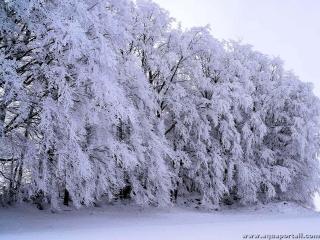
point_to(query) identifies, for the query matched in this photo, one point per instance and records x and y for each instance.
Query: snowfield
(134, 223)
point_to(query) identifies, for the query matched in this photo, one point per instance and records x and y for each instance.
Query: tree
(108, 101)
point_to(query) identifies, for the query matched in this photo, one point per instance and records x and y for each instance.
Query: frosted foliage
(106, 100)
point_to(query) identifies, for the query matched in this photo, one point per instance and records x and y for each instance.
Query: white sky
(286, 28)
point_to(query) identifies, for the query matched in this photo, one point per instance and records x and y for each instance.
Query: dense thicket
(104, 100)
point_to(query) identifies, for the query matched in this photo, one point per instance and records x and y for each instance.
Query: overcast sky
(286, 28)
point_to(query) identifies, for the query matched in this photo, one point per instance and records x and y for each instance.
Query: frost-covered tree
(106, 100)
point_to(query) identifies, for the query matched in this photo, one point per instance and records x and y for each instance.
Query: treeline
(105, 100)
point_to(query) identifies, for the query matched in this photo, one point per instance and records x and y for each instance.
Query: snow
(134, 223)
(317, 201)
(116, 102)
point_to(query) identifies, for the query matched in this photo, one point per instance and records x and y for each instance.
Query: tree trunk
(66, 197)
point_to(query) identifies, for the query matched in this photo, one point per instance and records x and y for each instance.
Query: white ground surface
(133, 223)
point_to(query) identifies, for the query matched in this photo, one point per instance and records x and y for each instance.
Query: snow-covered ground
(134, 223)
(317, 201)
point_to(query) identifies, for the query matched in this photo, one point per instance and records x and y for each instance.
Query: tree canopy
(105, 100)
